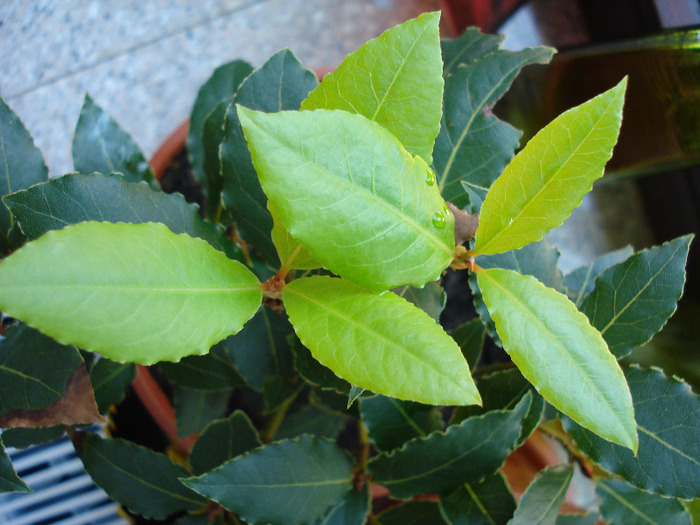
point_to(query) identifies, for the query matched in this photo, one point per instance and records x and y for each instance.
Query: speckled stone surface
(144, 61)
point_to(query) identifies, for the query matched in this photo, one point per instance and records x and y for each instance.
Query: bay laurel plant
(295, 325)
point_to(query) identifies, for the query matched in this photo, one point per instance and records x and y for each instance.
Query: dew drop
(439, 220)
(430, 177)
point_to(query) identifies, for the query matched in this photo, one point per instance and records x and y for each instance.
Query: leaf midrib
(626, 503)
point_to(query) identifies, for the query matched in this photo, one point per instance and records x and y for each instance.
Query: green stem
(274, 424)
(287, 265)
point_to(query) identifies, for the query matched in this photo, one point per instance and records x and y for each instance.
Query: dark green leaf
(487, 502)
(542, 499)
(142, 480)
(26, 437)
(222, 440)
(592, 518)
(34, 369)
(412, 513)
(286, 482)
(101, 145)
(538, 259)
(464, 453)
(668, 421)
(633, 300)
(502, 390)
(206, 519)
(470, 338)
(473, 144)
(622, 503)
(212, 371)
(311, 420)
(431, 298)
(354, 394)
(280, 84)
(314, 372)
(262, 348)
(333, 401)
(468, 47)
(76, 198)
(213, 181)
(195, 409)
(21, 163)
(280, 390)
(110, 381)
(392, 422)
(352, 510)
(221, 85)
(580, 282)
(9, 480)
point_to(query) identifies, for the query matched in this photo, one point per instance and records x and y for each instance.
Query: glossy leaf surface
(668, 419)
(101, 145)
(21, 163)
(392, 422)
(133, 292)
(551, 174)
(542, 499)
(222, 440)
(474, 146)
(581, 281)
(352, 195)
(144, 481)
(464, 453)
(9, 480)
(304, 477)
(221, 85)
(633, 300)
(487, 502)
(379, 82)
(353, 510)
(558, 351)
(75, 198)
(622, 503)
(378, 342)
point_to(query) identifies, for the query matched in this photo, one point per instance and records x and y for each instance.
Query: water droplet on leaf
(430, 177)
(439, 220)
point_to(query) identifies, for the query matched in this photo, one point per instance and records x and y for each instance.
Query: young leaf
(549, 177)
(378, 342)
(353, 510)
(204, 372)
(487, 502)
(142, 480)
(634, 299)
(222, 440)
(622, 503)
(668, 419)
(352, 195)
(558, 351)
(379, 82)
(464, 453)
(21, 163)
(195, 409)
(474, 146)
(101, 145)
(133, 292)
(391, 422)
(75, 198)
(581, 281)
(110, 381)
(221, 85)
(542, 499)
(290, 250)
(412, 513)
(9, 480)
(304, 477)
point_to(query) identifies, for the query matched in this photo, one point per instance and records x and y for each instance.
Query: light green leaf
(303, 477)
(558, 351)
(101, 145)
(668, 419)
(9, 480)
(221, 85)
(622, 503)
(144, 481)
(542, 499)
(549, 177)
(21, 165)
(464, 453)
(474, 146)
(487, 502)
(379, 81)
(290, 251)
(581, 281)
(634, 299)
(133, 292)
(378, 342)
(352, 195)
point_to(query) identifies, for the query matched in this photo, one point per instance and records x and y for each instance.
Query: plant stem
(287, 265)
(274, 424)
